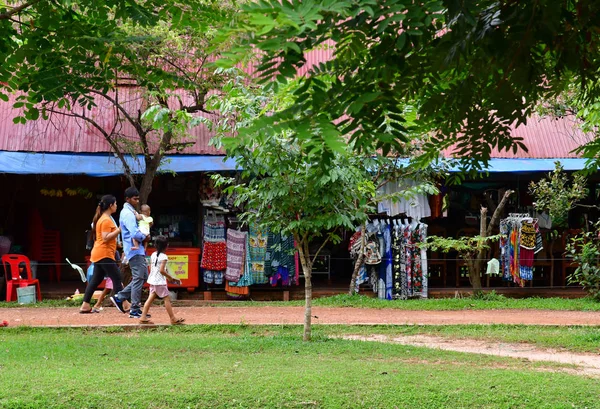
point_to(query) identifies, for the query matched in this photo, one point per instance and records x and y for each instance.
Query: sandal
(97, 310)
(86, 311)
(178, 321)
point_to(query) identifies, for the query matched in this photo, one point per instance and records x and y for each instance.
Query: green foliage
(286, 186)
(470, 68)
(463, 245)
(51, 50)
(584, 250)
(558, 193)
(90, 59)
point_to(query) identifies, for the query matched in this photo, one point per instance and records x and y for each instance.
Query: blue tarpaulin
(28, 163)
(103, 164)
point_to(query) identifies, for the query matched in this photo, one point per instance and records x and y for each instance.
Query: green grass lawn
(489, 301)
(264, 367)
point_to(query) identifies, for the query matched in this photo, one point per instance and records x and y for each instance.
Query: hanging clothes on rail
(257, 239)
(520, 240)
(280, 263)
(409, 261)
(214, 249)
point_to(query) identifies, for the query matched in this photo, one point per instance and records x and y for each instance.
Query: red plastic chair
(11, 263)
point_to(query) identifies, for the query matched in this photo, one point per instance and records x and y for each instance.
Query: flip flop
(178, 321)
(146, 322)
(85, 312)
(96, 310)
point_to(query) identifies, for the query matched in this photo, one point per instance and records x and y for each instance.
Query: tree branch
(496, 215)
(106, 135)
(320, 248)
(16, 10)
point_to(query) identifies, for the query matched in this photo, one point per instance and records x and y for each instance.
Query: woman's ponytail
(106, 202)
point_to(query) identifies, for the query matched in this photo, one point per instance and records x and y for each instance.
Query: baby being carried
(145, 221)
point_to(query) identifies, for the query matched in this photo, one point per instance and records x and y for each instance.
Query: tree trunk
(474, 275)
(476, 266)
(359, 260)
(306, 263)
(151, 169)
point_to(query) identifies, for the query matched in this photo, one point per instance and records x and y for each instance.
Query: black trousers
(104, 268)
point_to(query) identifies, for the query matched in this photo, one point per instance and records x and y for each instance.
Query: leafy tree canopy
(56, 49)
(470, 68)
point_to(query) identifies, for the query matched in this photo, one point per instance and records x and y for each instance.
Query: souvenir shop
(395, 266)
(236, 256)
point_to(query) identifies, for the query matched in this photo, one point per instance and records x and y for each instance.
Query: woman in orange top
(105, 231)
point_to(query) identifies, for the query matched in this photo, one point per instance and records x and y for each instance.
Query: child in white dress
(158, 278)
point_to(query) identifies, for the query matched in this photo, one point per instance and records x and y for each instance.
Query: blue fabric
(130, 231)
(90, 272)
(104, 164)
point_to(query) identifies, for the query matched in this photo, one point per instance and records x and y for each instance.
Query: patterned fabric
(526, 263)
(257, 253)
(387, 238)
(213, 277)
(236, 250)
(214, 256)
(520, 240)
(409, 265)
(399, 290)
(214, 231)
(280, 253)
(527, 236)
(246, 277)
(236, 292)
(214, 252)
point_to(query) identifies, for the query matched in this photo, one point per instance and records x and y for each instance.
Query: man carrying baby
(135, 257)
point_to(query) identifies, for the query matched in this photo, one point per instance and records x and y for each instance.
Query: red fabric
(214, 256)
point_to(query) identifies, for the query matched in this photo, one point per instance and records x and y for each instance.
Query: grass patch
(264, 367)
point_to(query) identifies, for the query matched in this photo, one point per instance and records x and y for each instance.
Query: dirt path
(586, 364)
(295, 315)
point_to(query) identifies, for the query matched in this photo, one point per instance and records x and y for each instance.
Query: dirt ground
(583, 364)
(295, 315)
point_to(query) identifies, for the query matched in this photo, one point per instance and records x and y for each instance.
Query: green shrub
(584, 250)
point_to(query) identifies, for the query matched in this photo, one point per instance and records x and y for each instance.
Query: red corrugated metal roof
(548, 138)
(69, 134)
(545, 138)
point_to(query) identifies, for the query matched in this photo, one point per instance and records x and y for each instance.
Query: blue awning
(498, 165)
(103, 164)
(28, 163)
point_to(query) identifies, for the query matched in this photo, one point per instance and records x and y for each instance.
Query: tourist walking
(135, 257)
(105, 232)
(159, 276)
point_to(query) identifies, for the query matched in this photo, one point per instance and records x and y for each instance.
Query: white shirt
(155, 277)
